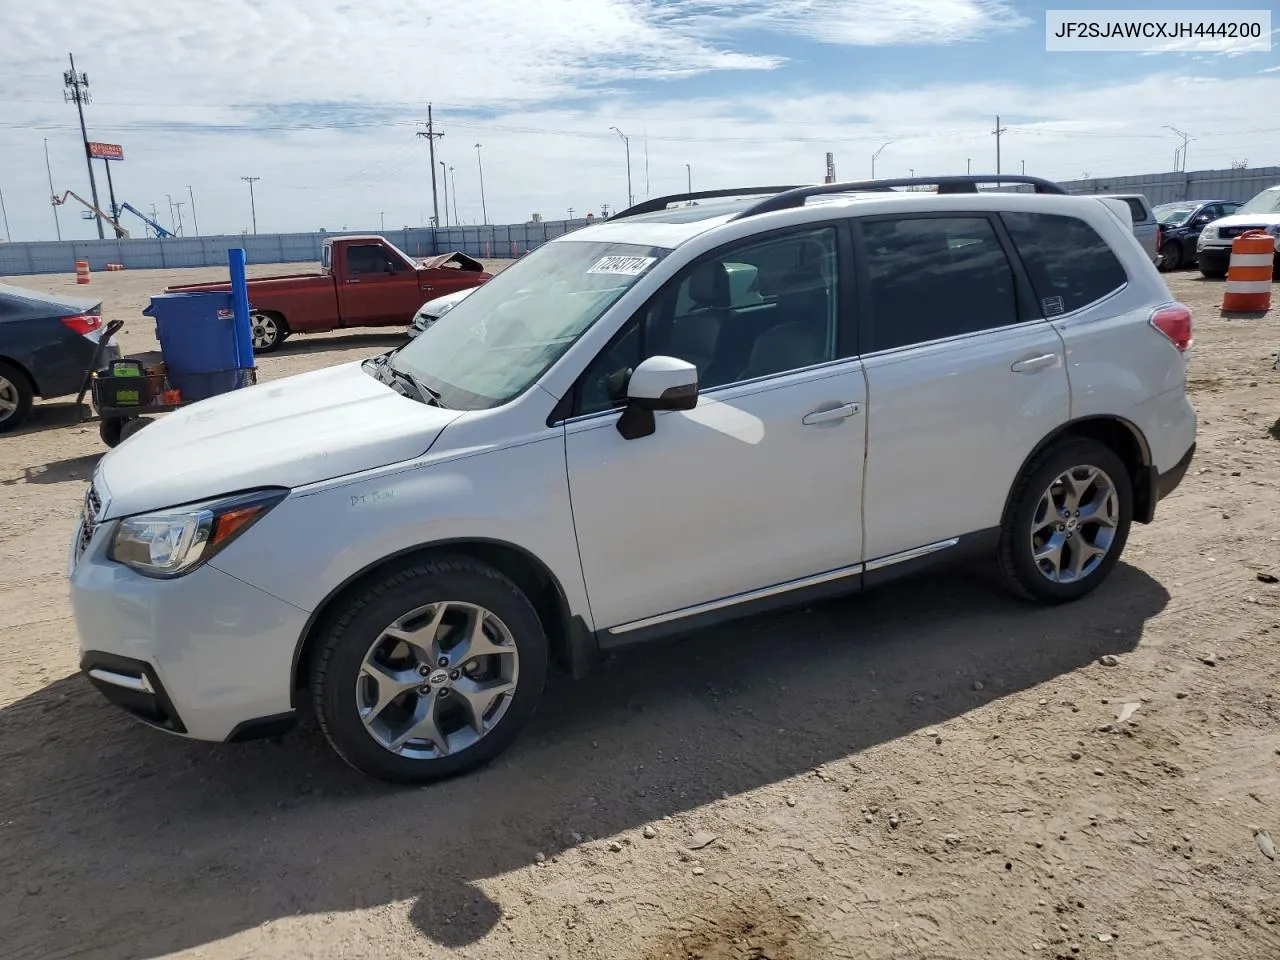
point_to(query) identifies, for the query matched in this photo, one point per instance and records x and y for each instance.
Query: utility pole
(998, 132)
(876, 154)
(4, 214)
(444, 183)
(453, 185)
(194, 222)
(484, 211)
(253, 208)
(571, 213)
(178, 206)
(382, 219)
(631, 197)
(1180, 165)
(968, 165)
(77, 92)
(688, 178)
(57, 225)
(432, 136)
(1024, 168)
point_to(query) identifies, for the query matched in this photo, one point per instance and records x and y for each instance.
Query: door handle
(1035, 364)
(831, 414)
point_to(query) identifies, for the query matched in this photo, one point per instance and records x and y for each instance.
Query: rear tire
(397, 686)
(110, 430)
(132, 426)
(16, 396)
(1067, 522)
(267, 330)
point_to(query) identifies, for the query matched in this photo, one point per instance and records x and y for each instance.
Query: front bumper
(1214, 258)
(205, 655)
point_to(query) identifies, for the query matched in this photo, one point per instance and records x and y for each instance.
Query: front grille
(88, 518)
(1236, 231)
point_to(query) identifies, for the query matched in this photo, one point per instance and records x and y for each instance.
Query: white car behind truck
(1213, 249)
(682, 415)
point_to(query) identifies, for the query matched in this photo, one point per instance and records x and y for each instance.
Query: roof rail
(661, 203)
(961, 183)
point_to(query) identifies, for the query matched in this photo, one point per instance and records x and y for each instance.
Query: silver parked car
(433, 310)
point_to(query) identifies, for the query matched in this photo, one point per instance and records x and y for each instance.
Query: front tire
(1067, 522)
(268, 331)
(1171, 256)
(429, 672)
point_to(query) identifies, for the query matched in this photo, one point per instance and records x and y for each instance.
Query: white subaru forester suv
(693, 411)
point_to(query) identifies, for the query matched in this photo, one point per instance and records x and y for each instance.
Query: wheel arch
(572, 643)
(23, 369)
(1119, 435)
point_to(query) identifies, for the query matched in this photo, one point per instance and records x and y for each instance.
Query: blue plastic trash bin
(197, 335)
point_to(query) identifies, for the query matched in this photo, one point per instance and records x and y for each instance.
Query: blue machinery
(114, 223)
(160, 231)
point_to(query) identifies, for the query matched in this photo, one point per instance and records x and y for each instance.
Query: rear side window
(1136, 209)
(935, 277)
(1069, 264)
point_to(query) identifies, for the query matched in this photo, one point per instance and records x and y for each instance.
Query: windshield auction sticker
(623, 266)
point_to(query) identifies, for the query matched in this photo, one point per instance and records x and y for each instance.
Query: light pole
(453, 185)
(195, 224)
(253, 209)
(876, 154)
(1024, 167)
(173, 224)
(444, 182)
(626, 142)
(688, 178)
(483, 210)
(1182, 165)
(382, 219)
(968, 165)
(5, 214)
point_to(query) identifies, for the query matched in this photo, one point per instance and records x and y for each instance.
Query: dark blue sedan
(47, 342)
(1180, 226)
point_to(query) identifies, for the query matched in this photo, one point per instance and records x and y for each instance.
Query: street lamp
(631, 199)
(876, 154)
(444, 181)
(484, 212)
(453, 185)
(688, 175)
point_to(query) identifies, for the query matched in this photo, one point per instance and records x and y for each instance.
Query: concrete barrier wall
(17, 259)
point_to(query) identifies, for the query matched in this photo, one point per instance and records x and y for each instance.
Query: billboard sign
(106, 151)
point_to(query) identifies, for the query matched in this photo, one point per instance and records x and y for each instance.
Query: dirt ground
(931, 771)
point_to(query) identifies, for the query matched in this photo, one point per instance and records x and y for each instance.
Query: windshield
(1268, 201)
(1172, 213)
(503, 337)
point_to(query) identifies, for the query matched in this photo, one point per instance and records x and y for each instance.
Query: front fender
(320, 537)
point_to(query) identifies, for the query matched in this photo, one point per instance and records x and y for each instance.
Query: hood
(287, 433)
(432, 308)
(468, 264)
(1247, 219)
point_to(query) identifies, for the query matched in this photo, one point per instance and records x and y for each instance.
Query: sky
(323, 101)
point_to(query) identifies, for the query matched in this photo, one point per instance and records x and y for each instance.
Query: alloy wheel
(437, 680)
(265, 330)
(1074, 524)
(8, 399)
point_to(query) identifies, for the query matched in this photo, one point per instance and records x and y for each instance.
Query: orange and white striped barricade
(1249, 274)
(82, 271)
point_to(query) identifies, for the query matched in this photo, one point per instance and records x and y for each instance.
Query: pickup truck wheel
(1067, 522)
(268, 330)
(16, 396)
(429, 672)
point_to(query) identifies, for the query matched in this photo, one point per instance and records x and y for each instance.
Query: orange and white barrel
(82, 271)
(115, 266)
(1249, 274)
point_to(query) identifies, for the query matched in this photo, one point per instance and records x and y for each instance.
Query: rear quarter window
(1070, 266)
(1137, 209)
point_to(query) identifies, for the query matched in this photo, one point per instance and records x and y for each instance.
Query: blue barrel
(197, 334)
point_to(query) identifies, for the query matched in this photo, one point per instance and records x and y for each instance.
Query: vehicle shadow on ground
(48, 415)
(377, 342)
(71, 470)
(123, 842)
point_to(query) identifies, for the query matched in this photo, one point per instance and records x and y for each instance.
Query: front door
(760, 484)
(378, 287)
(964, 377)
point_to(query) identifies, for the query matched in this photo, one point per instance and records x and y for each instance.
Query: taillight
(1174, 321)
(83, 324)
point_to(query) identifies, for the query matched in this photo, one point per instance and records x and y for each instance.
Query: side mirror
(659, 383)
(1201, 220)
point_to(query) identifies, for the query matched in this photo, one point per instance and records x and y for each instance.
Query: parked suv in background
(1213, 249)
(1180, 226)
(681, 415)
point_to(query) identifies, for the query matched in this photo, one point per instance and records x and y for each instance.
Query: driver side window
(369, 258)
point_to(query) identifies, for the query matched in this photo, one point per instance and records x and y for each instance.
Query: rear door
(964, 378)
(377, 287)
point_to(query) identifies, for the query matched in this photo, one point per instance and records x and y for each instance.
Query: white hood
(287, 433)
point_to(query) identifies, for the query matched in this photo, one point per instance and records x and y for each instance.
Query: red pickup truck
(364, 281)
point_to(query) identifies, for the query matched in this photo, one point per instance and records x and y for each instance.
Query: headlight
(1209, 233)
(445, 309)
(173, 542)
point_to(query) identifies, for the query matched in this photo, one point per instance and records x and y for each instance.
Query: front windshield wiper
(386, 373)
